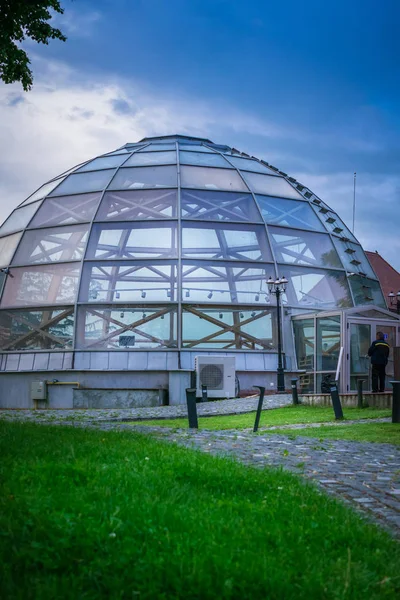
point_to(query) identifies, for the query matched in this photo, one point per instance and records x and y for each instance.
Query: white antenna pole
(354, 200)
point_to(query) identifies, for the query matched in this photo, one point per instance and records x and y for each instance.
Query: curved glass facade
(167, 244)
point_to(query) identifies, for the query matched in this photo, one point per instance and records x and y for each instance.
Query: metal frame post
(396, 402)
(360, 399)
(259, 407)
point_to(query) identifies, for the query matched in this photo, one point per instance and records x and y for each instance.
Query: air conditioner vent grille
(212, 376)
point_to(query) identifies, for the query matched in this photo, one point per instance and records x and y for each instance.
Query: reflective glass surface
(19, 218)
(303, 247)
(125, 328)
(293, 213)
(212, 179)
(247, 164)
(126, 282)
(151, 158)
(317, 288)
(104, 162)
(8, 245)
(65, 210)
(328, 343)
(42, 284)
(218, 206)
(223, 241)
(144, 177)
(353, 258)
(44, 190)
(194, 147)
(270, 185)
(203, 159)
(366, 291)
(123, 240)
(156, 147)
(36, 329)
(304, 332)
(138, 205)
(78, 183)
(52, 245)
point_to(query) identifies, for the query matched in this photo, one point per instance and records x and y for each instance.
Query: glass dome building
(133, 263)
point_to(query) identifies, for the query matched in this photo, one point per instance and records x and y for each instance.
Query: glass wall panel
(194, 147)
(353, 257)
(224, 282)
(293, 213)
(77, 183)
(219, 241)
(224, 328)
(366, 291)
(128, 240)
(8, 245)
(332, 222)
(270, 185)
(316, 288)
(212, 179)
(19, 218)
(156, 147)
(66, 210)
(360, 341)
(247, 164)
(44, 190)
(103, 162)
(203, 159)
(126, 327)
(304, 332)
(41, 284)
(37, 329)
(127, 282)
(328, 343)
(303, 247)
(138, 205)
(144, 177)
(218, 206)
(52, 245)
(151, 158)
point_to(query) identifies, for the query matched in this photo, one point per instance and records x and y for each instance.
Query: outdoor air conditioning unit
(218, 374)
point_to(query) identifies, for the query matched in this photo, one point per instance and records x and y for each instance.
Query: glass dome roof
(167, 243)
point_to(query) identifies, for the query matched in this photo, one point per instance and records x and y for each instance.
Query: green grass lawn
(88, 514)
(289, 415)
(384, 433)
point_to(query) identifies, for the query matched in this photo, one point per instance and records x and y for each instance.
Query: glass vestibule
(319, 337)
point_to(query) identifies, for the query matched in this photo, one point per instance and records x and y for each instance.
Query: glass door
(389, 332)
(359, 342)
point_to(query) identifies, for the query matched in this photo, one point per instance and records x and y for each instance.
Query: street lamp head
(283, 282)
(398, 295)
(270, 284)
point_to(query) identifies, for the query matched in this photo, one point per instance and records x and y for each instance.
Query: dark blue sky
(311, 86)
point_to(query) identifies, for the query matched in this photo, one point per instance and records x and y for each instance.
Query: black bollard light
(259, 407)
(337, 406)
(191, 408)
(295, 395)
(360, 400)
(204, 396)
(396, 402)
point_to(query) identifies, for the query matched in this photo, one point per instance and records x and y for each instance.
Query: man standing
(379, 353)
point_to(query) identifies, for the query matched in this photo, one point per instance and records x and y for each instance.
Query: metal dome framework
(167, 244)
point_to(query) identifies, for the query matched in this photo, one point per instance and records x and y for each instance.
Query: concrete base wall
(350, 400)
(116, 398)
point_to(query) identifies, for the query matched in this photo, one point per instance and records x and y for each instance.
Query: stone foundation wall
(350, 400)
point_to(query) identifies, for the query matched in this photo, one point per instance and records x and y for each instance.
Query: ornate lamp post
(278, 287)
(394, 300)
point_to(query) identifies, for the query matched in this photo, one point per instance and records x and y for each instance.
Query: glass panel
(122, 328)
(151, 158)
(42, 284)
(332, 222)
(306, 383)
(215, 241)
(66, 210)
(247, 164)
(360, 341)
(218, 206)
(84, 182)
(366, 291)
(328, 343)
(194, 147)
(36, 329)
(104, 162)
(224, 282)
(304, 331)
(7, 248)
(316, 288)
(278, 211)
(353, 257)
(224, 328)
(123, 240)
(303, 248)
(212, 179)
(52, 245)
(373, 314)
(389, 333)
(44, 190)
(203, 158)
(270, 185)
(324, 382)
(153, 147)
(121, 151)
(128, 282)
(19, 219)
(146, 177)
(139, 205)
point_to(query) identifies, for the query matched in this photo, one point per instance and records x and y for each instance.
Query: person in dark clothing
(379, 353)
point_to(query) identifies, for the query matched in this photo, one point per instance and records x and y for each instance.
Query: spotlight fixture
(241, 315)
(257, 297)
(143, 315)
(221, 316)
(210, 295)
(143, 294)
(162, 316)
(253, 314)
(187, 294)
(122, 315)
(6, 271)
(117, 295)
(168, 293)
